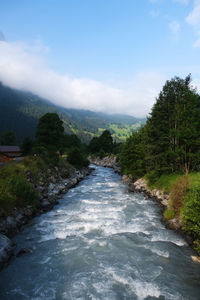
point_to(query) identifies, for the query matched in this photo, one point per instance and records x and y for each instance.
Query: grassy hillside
(20, 111)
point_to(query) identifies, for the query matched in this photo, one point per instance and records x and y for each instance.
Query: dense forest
(169, 146)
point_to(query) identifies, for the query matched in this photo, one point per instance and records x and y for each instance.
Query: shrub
(197, 246)
(169, 213)
(152, 177)
(7, 202)
(77, 158)
(22, 191)
(191, 212)
(178, 192)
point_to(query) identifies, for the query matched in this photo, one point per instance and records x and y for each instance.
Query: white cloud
(193, 19)
(194, 16)
(181, 1)
(20, 68)
(175, 28)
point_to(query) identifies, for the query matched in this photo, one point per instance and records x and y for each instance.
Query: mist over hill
(20, 111)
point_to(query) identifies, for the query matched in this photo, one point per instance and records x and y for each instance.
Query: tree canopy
(170, 140)
(50, 131)
(102, 144)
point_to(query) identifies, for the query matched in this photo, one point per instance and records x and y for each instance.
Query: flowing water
(101, 242)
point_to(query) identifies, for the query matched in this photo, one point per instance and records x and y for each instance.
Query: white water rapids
(101, 242)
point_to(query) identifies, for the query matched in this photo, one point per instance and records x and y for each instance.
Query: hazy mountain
(20, 111)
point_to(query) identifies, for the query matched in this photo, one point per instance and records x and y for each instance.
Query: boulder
(6, 250)
(24, 251)
(11, 222)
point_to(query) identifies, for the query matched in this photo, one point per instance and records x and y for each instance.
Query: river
(101, 242)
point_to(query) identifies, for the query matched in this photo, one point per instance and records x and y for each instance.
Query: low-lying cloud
(193, 19)
(20, 68)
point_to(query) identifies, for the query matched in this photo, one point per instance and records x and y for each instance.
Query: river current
(101, 242)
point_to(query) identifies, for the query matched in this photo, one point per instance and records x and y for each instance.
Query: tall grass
(16, 190)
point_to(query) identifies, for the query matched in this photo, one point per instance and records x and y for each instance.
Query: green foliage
(191, 212)
(196, 244)
(106, 142)
(167, 147)
(77, 158)
(23, 191)
(178, 192)
(16, 191)
(172, 130)
(162, 182)
(170, 140)
(94, 145)
(102, 144)
(122, 131)
(8, 138)
(152, 177)
(7, 202)
(50, 131)
(20, 112)
(71, 140)
(131, 157)
(27, 146)
(169, 214)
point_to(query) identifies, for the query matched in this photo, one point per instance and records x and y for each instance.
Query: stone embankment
(140, 186)
(49, 190)
(107, 161)
(162, 198)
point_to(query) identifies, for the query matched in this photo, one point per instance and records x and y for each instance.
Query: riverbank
(48, 185)
(107, 161)
(163, 200)
(101, 242)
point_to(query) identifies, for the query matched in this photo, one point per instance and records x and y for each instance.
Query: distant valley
(20, 111)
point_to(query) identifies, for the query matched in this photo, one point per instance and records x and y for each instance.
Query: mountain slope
(20, 111)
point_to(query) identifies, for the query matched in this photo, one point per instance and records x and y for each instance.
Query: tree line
(170, 139)
(51, 141)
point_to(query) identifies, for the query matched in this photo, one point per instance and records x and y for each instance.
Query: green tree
(50, 132)
(104, 143)
(27, 146)
(71, 140)
(172, 139)
(77, 158)
(131, 156)
(94, 145)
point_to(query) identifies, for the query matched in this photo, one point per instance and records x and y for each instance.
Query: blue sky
(107, 55)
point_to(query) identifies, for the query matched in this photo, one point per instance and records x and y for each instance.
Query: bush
(16, 191)
(191, 212)
(197, 246)
(169, 213)
(178, 192)
(152, 177)
(7, 203)
(77, 158)
(22, 191)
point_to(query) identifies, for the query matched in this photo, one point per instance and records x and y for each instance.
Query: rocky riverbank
(49, 189)
(140, 186)
(107, 161)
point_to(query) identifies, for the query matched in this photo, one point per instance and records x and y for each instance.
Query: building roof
(10, 149)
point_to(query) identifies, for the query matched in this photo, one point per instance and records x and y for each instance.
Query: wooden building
(8, 153)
